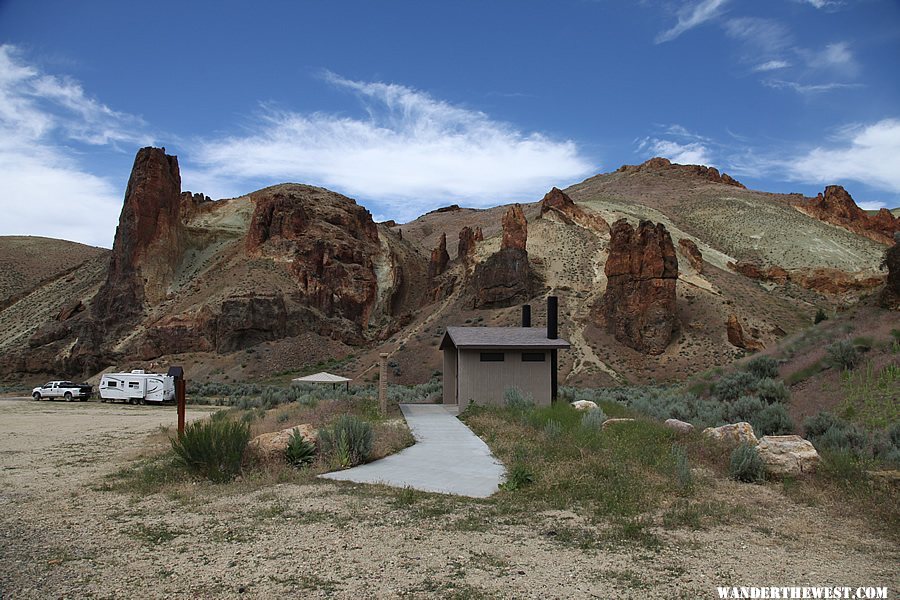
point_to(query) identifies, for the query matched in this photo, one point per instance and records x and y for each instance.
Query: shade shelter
(324, 377)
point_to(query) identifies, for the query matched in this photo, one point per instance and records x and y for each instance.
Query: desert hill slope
(286, 278)
(27, 261)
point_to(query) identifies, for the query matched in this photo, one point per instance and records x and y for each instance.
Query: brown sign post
(178, 374)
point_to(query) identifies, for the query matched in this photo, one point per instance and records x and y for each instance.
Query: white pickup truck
(63, 389)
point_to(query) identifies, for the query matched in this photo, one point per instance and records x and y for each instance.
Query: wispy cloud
(836, 57)
(869, 154)
(771, 65)
(409, 153)
(690, 16)
(43, 118)
(810, 88)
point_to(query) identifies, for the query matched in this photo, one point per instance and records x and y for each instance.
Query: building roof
(501, 337)
(323, 377)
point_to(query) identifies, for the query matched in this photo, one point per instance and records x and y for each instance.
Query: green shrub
(213, 449)
(843, 355)
(745, 408)
(815, 426)
(348, 441)
(772, 390)
(553, 429)
(593, 419)
(746, 465)
(763, 366)
(773, 420)
(820, 316)
(734, 385)
(300, 451)
(519, 476)
(844, 438)
(683, 476)
(517, 400)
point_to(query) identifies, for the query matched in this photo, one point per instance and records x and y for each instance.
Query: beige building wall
(450, 375)
(486, 382)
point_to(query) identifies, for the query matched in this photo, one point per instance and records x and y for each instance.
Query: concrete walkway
(446, 458)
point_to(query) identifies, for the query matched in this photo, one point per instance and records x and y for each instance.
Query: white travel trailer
(137, 387)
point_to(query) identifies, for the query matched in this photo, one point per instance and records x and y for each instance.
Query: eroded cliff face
(890, 297)
(642, 271)
(506, 278)
(327, 242)
(149, 239)
(664, 165)
(836, 206)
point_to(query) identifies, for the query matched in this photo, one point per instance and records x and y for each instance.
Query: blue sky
(407, 106)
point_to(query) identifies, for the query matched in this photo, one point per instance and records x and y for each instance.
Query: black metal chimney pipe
(526, 315)
(553, 333)
(552, 317)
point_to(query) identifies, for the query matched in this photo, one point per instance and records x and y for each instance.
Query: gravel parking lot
(64, 533)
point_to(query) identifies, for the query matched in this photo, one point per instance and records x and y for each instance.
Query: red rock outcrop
(736, 335)
(505, 278)
(328, 243)
(148, 241)
(479, 235)
(515, 228)
(558, 202)
(822, 279)
(690, 250)
(439, 258)
(701, 171)
(890, 296)
(70, 310)
(466, 248)
(642, 271)
(837, 207)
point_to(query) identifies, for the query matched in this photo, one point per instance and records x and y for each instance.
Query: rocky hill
(694, 271)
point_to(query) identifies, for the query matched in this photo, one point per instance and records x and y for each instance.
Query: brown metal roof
(501, 337)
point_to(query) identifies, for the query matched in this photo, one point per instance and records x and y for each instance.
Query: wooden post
(177, 373)
(382, 384)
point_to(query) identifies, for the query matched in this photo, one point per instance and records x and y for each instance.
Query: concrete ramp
(447, 457)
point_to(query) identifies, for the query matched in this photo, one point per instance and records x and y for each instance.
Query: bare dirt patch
(64, 534)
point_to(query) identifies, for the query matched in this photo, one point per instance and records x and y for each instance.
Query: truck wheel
(36, 396)
(68, 396)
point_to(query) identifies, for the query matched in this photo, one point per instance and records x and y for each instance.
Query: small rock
(584, 405)
(609, 422)
(679, 426)
(736, 433)
(788, 455)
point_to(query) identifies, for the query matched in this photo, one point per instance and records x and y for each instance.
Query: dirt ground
(64, 534)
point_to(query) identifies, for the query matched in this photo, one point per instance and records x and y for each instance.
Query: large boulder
(736, 336)
(679, 426)
(272, 446)
(733, 434)
(584, 405)
(787, 455)
(642, 271)
(615, 422)
(690, 250)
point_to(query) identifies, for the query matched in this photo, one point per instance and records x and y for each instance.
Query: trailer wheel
(36, 396)
(143, 402)
(68, 396)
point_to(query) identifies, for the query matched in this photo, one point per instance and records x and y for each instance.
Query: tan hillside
(27, 261)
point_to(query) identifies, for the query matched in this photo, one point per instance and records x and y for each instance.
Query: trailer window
(491, 357)
(110, 384)
(133, 384)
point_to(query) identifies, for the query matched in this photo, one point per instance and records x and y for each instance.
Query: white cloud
(836, 57)
(411, 152)
(765, 35)
(692, 153)
(44, 190)
(690, 16)
(873, 205)
(808, 89)
(869, 154)
(771, 65)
